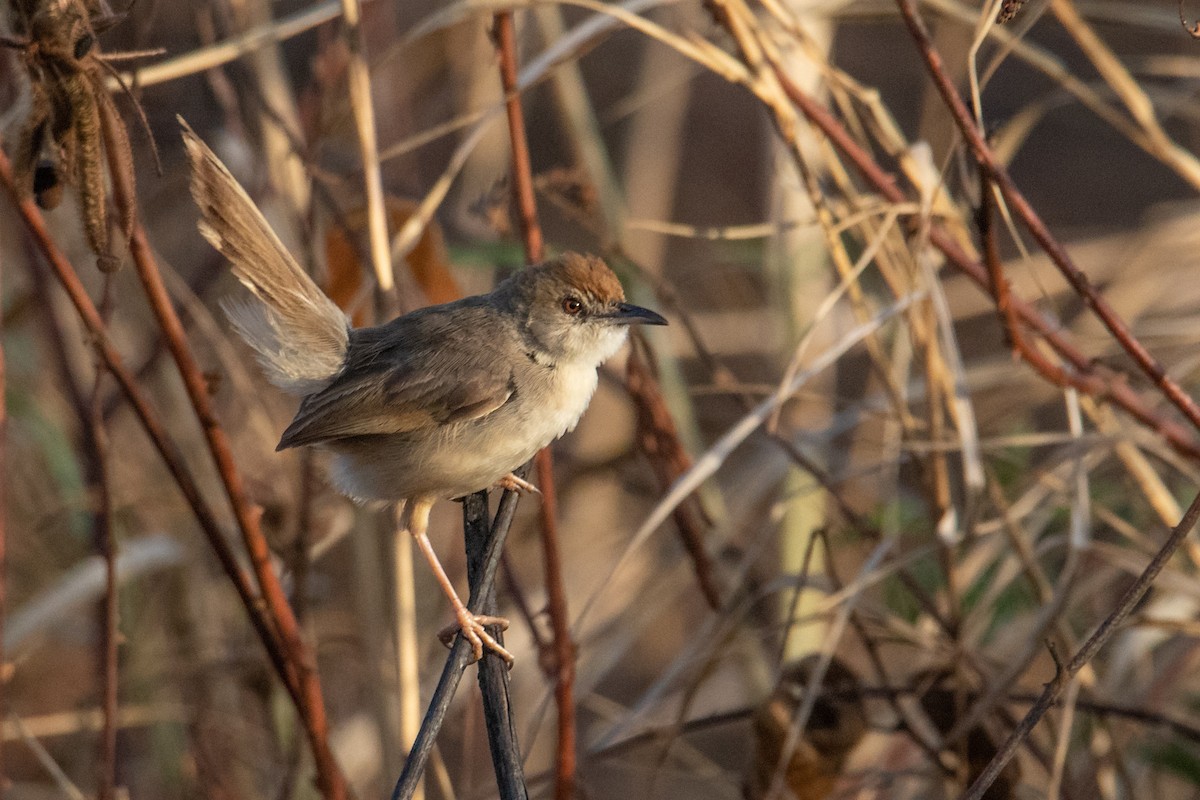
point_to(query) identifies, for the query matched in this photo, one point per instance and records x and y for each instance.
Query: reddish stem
(659, 440)
(1024, 211)
(531, 229)
(1113, 387)
(1022, 348)
(301, 658)
(100, 490)
(3, 549)
(564, 648)
(167, 449)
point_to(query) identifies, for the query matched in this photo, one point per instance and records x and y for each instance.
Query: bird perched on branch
(438, 403)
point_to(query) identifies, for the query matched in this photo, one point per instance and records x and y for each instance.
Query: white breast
(575, 385)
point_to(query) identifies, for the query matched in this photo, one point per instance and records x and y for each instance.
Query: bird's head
(573, 309)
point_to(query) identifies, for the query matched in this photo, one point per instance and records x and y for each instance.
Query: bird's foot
(471, 626)
(519, 485)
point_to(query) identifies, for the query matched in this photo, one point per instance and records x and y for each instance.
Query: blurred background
(815, 537)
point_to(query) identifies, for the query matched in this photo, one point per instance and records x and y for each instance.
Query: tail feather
(300, 335)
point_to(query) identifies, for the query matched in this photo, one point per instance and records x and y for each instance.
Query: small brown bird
(836, 724)
(435, 404)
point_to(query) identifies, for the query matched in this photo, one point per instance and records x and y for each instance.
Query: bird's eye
(572, 305)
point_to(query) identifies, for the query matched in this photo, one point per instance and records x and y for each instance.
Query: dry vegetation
(895, 503)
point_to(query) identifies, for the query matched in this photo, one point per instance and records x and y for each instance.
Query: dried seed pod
(89, 164)
(73, 133)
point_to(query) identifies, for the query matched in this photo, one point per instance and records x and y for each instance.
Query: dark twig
(877, 661)
(1024, 211)
(564, 648)
(1097, 640)
(460, 656)
(622, 747)
(493, 672)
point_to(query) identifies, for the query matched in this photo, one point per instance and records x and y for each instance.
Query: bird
(836, 723)
(436, 404)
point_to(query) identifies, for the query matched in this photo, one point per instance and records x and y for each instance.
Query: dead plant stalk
(298, 654)
(155, 428)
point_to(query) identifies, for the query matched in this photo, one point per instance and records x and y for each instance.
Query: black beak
(629, 314)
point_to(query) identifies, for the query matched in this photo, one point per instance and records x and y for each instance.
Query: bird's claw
(512, 483)
(472, 628)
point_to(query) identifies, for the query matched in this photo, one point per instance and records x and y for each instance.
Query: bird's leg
(415, 519)
(514, 484)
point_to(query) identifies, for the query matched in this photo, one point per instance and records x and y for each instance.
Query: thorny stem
(659, 439)
(564, 648)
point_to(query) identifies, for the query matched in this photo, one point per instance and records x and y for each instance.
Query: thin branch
(103, 540)
(3, 539)
(562, 644)
(523, 193)
(658, 438)
(1097, 640)
(59, 776)
(903, 715)
(231, 49)
(359, 79)
(493, 672)
(622, 747)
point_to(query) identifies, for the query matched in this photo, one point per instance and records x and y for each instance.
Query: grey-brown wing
(417, 372)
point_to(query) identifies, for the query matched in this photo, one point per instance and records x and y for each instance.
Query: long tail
(300, 335)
